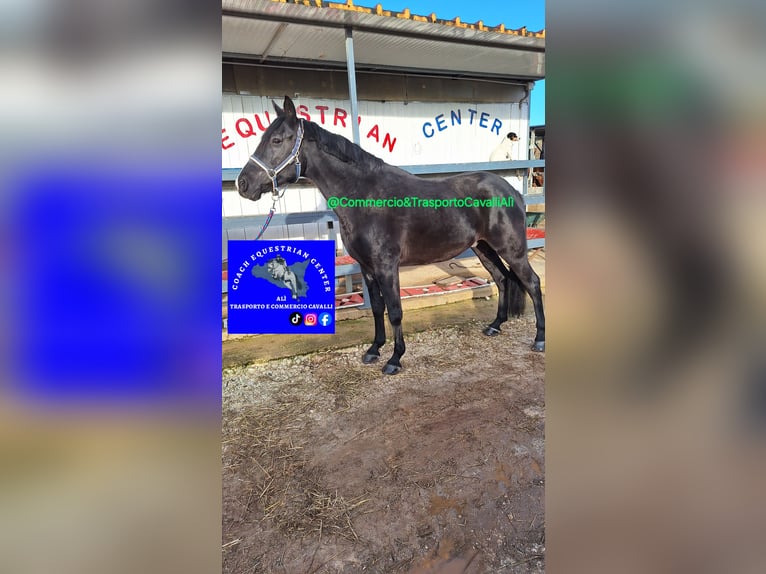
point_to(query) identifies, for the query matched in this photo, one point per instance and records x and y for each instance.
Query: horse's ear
(280, 111)
(291, 116)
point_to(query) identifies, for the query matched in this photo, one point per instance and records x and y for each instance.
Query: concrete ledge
(408, 304)
(246, 349)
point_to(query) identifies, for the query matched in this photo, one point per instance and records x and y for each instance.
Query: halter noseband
(293, 157)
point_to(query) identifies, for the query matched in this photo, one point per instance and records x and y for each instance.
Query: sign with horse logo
(278, 287)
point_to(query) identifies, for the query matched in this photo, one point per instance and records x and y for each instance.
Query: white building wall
(413, 133)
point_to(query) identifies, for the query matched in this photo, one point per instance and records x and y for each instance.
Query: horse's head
(275, 162)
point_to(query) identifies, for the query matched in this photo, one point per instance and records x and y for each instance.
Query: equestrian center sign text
(401, 133)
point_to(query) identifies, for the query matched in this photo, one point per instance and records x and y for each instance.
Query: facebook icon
(325, 319)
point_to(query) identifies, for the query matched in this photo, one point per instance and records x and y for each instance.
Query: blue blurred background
(110, 283)
(109, 286)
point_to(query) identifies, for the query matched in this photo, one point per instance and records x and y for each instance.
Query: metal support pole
(351, 67)
(528, 98)
(525, 185)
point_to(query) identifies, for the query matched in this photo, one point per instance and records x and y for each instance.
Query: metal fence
(255, 221)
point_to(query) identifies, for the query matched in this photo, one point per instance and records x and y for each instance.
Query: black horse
(383, 238)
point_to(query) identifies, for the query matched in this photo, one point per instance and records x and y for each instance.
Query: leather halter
(272, 173)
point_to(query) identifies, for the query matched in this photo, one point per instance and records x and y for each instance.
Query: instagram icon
(310, 320)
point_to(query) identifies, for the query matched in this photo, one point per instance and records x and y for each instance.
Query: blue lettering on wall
(496, 125)
(456, 119)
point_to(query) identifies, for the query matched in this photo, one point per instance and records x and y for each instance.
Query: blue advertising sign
(281, 287)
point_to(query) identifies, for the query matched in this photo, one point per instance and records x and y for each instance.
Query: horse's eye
(276, 141)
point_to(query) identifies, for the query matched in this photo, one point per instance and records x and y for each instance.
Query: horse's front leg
(389, 287)
(378, 308)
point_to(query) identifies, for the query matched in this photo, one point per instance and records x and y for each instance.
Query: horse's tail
(515, 294)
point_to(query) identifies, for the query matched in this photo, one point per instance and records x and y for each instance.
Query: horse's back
(474, 184)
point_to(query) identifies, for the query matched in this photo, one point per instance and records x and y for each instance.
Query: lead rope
(268, 220)
(272, 211)
(275, 190)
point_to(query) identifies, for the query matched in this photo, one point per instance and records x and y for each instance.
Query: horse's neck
(332, 175)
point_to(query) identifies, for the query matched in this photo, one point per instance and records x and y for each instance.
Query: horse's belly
(423, 254)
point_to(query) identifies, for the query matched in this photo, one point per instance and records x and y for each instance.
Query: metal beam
(274, 38)
(474, 166)
(242, 59)
(351, 67)
(230, 173)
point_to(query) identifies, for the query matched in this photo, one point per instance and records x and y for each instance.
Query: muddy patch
(330, 466)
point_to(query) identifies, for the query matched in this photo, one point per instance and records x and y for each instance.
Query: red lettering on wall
(223, 140)
(374, 133)
(248, 131)
(340, 116)
(387, 141)
(258, 121)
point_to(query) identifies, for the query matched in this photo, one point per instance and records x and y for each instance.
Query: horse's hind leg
(526, 276)
(389, 287)
(378, 308)
(292, 286)
(492, 263)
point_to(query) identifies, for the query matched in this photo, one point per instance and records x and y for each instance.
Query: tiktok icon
(296, 319)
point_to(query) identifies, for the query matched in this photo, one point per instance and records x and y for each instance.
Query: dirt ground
(331, 467)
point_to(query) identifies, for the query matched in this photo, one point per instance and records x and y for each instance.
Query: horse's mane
(341, 148)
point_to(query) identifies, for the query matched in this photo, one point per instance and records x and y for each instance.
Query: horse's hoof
(390, 369)
(491, 332)
(369, 358)
(539, 346)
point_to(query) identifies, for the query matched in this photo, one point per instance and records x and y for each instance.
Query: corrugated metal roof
(378, 10)
(313, 30)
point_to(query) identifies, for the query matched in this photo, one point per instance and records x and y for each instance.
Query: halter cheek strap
(272, 173)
